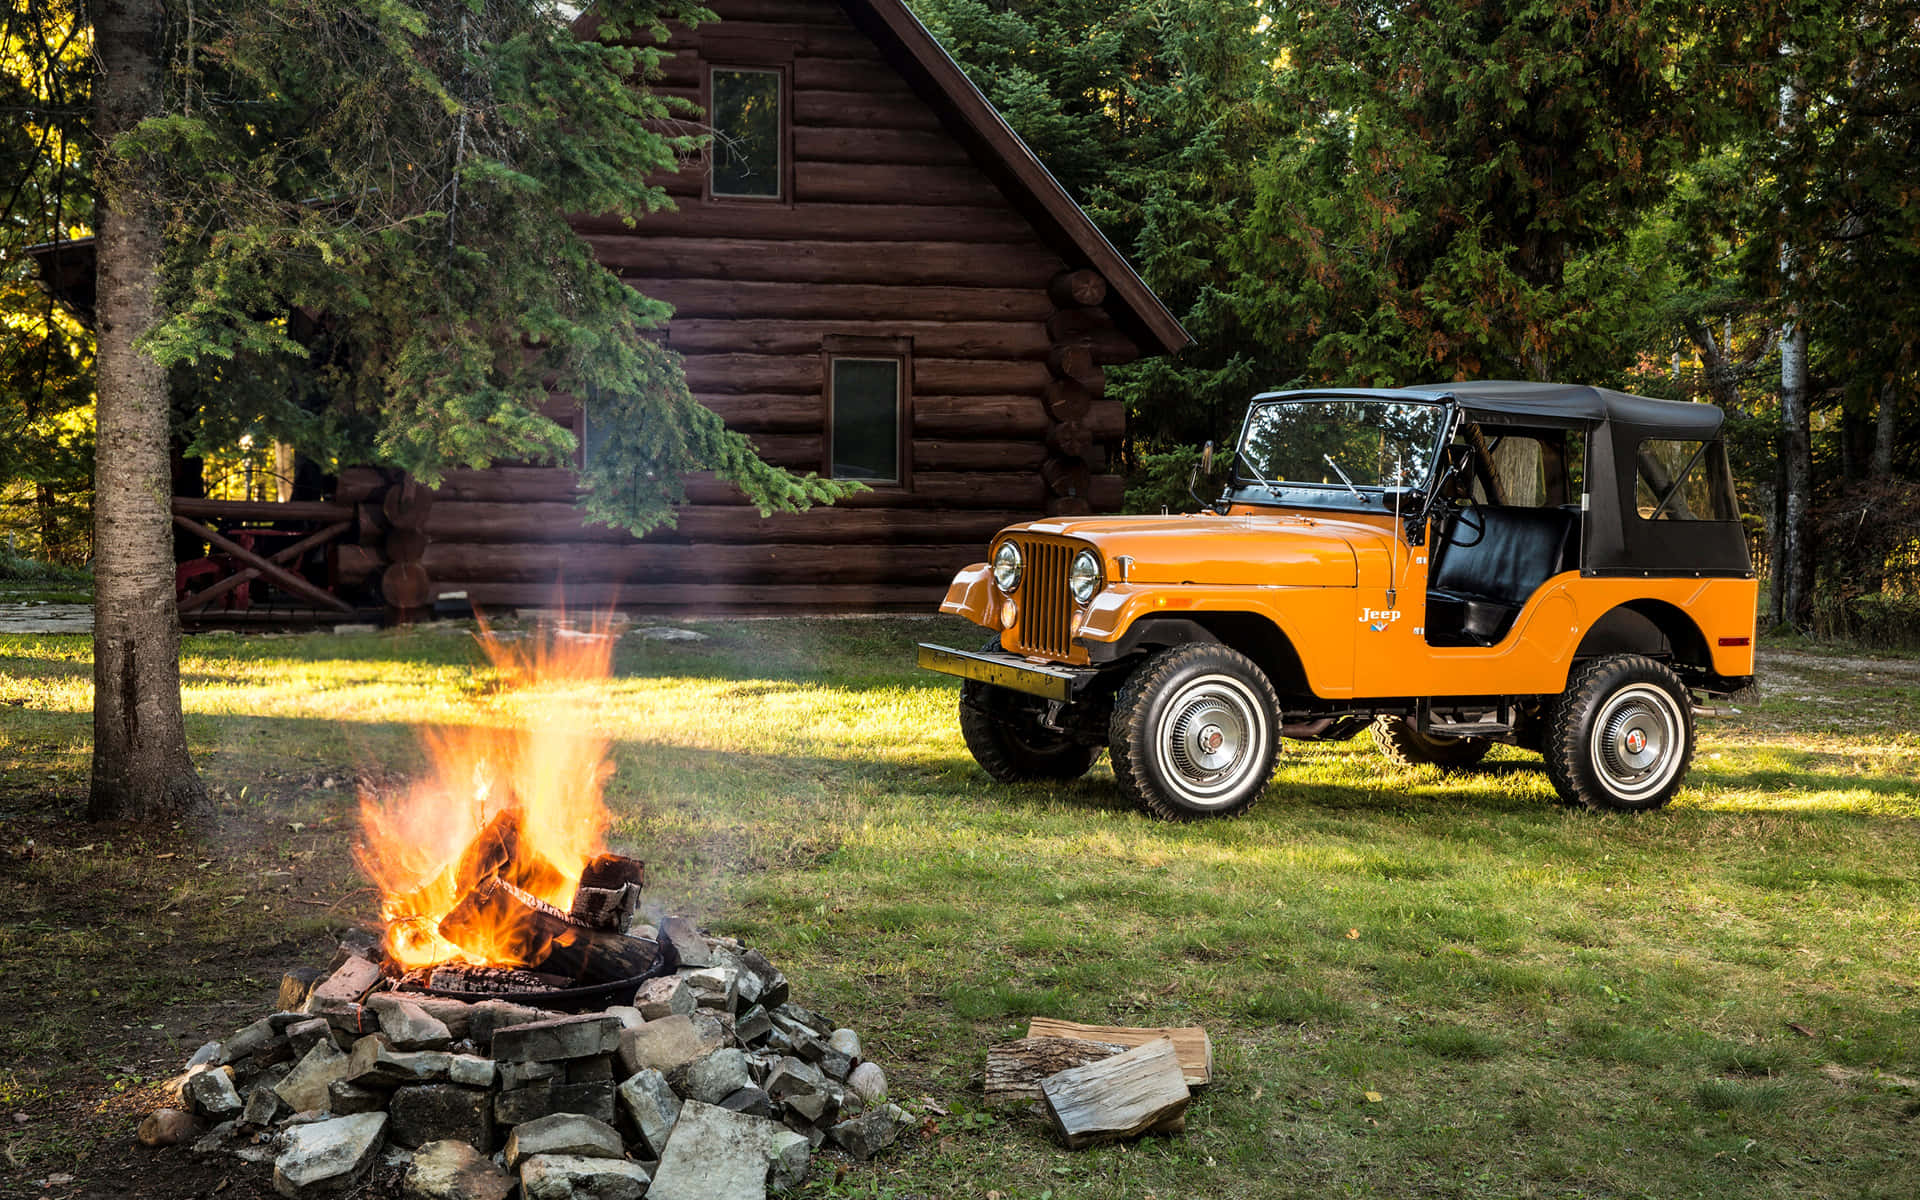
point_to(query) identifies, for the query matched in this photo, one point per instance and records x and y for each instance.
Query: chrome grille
(1046, 608)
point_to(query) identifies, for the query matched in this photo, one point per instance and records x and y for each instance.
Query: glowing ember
(519, 799)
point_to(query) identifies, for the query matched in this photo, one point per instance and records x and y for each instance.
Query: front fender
(971, 595)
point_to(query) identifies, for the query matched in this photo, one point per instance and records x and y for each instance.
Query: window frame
(898, 350)
(742, 56)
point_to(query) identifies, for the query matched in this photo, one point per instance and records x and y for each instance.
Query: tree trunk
(1882, 466)
(140, 766)
(1795, 562)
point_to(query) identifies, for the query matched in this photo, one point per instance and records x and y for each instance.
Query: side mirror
(1206, 459)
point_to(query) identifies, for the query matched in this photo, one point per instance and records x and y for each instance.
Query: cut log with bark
(1191, 1041)
(1142, 1090)
(1015, 1069)
(504, 925)
(1077, 289)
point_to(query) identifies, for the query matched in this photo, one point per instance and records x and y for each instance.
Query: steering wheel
(1470, 518)
(1457, 466)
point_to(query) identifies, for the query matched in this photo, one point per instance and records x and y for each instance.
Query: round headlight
(1083, 577)
(1006, 567)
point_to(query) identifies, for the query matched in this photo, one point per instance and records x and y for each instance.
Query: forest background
(1687, 200)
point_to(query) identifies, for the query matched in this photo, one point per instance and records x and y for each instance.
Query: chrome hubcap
(1637, 736)
(1212, 733)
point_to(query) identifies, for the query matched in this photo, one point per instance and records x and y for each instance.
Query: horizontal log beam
(691, 562)
(940, 417)
(901, 264)
(887, 183)
(940, 339)
(262, 510)
(828, 107)
(804, 374)
(838, 39)
(853, 144)
(553, 521)
(836, 301)
(710, 598)
(827, 222)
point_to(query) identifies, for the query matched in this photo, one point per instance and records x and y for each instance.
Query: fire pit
(511, 1019)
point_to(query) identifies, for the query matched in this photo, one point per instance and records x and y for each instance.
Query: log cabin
(873, 277)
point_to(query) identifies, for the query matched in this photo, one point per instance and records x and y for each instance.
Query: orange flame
(539, 776)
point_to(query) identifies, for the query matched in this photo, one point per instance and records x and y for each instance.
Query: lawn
(1417, 983)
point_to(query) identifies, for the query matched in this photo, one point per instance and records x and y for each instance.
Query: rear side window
(1683, 481)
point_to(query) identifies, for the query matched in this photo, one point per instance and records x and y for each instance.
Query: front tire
(1621, 736)
(1002, 728)
(1194, 733)
(1400, 741)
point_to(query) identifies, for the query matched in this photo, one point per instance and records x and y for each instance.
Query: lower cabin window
(868, 410)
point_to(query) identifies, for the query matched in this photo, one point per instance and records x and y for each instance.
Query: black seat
(1489, 560)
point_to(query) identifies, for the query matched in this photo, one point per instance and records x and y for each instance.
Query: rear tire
(1621, 736)
(1400, 741)
(1002, 728)
(1195, 732)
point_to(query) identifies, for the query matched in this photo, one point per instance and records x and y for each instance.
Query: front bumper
(1010, 671)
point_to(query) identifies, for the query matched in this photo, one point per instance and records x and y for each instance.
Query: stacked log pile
(1086, 427)
(712, 1083)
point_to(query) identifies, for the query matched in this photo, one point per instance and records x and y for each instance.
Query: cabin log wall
(891, 230)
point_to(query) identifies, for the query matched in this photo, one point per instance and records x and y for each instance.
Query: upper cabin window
(1683, 481)
(748, 152)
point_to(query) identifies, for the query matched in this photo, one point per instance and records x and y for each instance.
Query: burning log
(609, 893)
(504, 925)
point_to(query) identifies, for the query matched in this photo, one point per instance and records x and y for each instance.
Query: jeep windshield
(1334, 447)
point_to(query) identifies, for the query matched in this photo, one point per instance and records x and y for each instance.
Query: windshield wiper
(1272, 489)
(1343, 477)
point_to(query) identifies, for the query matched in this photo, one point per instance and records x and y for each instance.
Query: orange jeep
(1550, 566)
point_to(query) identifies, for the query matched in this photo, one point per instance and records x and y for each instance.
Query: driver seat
(1477, 587)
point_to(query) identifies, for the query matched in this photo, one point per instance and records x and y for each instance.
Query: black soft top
(1573, 402)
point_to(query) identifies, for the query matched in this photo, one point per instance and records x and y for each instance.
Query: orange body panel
(1350, 596)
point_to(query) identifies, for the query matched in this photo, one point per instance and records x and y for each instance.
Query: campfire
(509, 1015)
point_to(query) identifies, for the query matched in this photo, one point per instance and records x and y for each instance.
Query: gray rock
(811, 1021)
(816, 1110)
(749, 1100)
(456, 1015)
(251, 1040)
(590, 1070)
(714, 1155)
(869, 1133)
(794, 1077)
(455, 1171)
(211, 1094)
(746, 988)
(209, 1054)
(833, 1062)
(716, 1076)
(488, 1015)
(687, 942)
(665, 1045)
(664, 997)
(545, 1098)
(342, 991)
(219, 1139)
(374, 1063)
(262, 1107)
(846, 1041)
(328, 1156)
(789, 1154)
(434, 1112)
(868, 1082)
(652, 1106)
(628, 1016)
(515, 1075)
(305, 1087)
(470, 1070)
(563, 1133)
(407, 1025)
(753, 1026)
(559, 1038)
(344, 1099)
(713, 987)
(773, 985)
(305, 1035)
(569, 1177)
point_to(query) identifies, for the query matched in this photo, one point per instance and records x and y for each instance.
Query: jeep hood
(1286, 551)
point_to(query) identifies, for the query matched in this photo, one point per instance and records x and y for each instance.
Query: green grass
(1717, 999)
